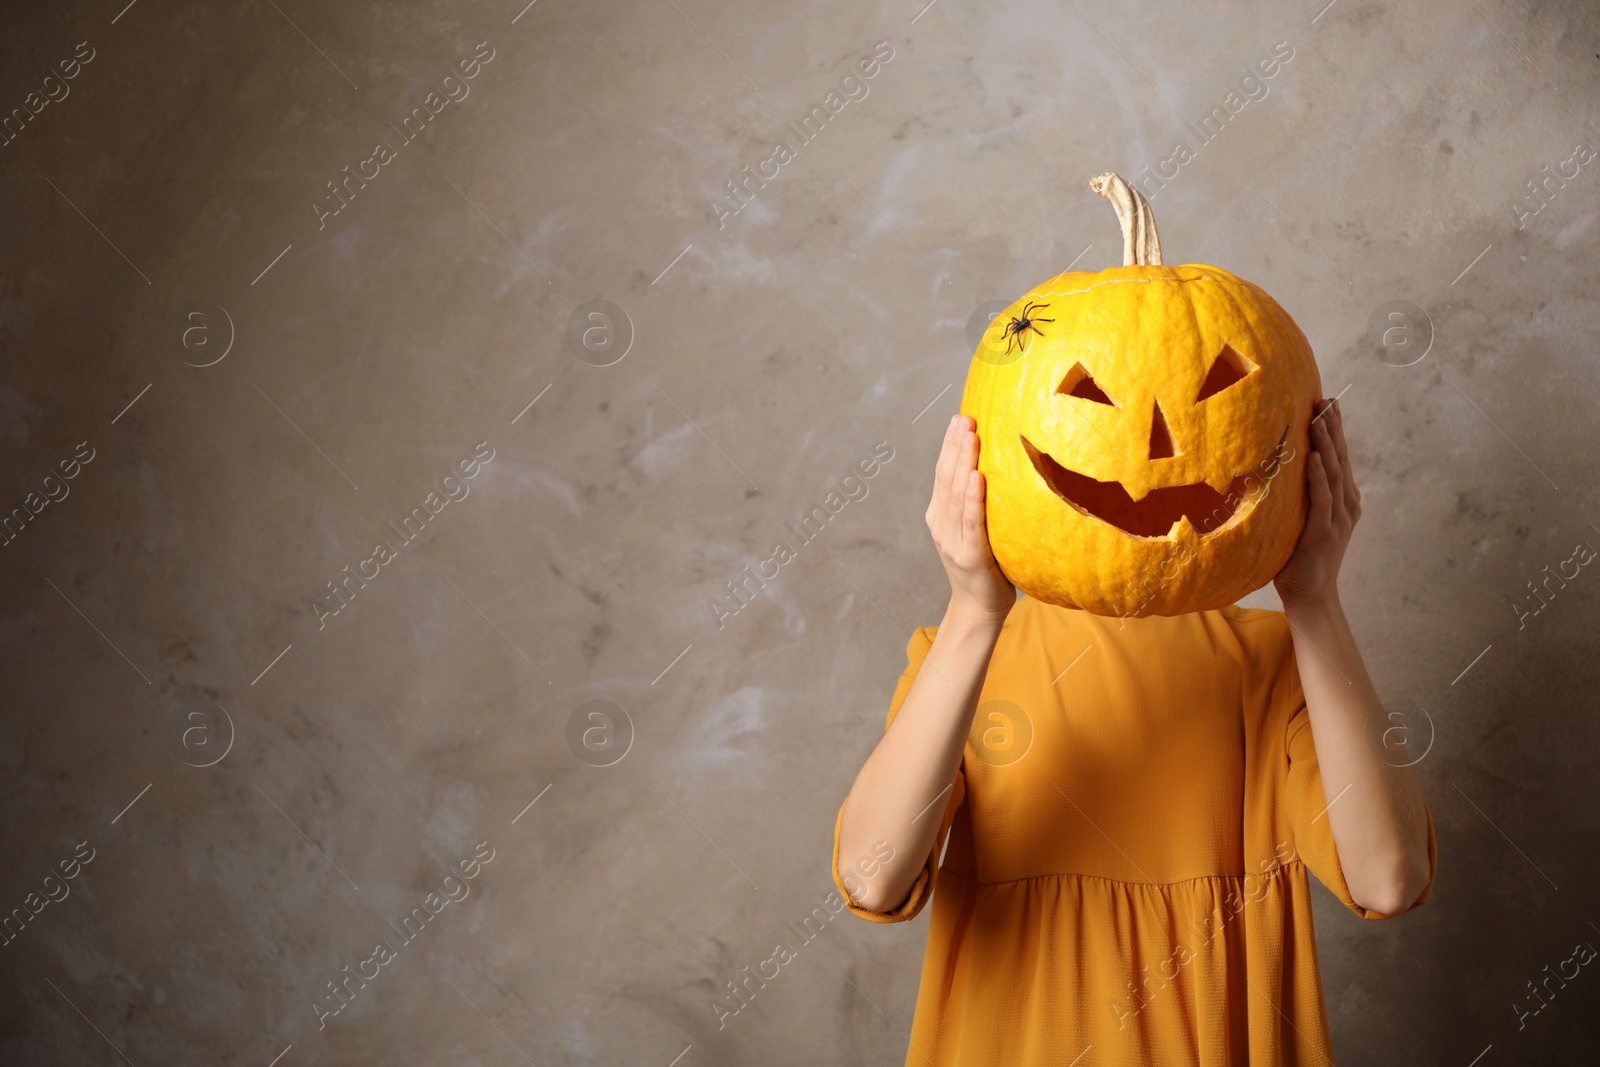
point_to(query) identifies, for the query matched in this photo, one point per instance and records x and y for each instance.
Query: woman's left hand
(1312, 572)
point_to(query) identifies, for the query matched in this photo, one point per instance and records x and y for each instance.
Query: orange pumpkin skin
(1064, 467)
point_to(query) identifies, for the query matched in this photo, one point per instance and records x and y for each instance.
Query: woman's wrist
(965, 616)
(1310, 611)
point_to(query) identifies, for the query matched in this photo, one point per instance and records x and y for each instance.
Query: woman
(1131, 817)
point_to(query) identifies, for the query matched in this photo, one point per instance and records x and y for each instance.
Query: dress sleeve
(922, 887)
(1307, 811)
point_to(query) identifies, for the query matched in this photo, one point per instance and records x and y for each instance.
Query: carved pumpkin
(1143, 431)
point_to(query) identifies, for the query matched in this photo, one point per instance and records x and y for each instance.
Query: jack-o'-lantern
(1143, 431)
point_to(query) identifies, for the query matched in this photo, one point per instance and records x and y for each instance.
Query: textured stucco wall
(167, 604)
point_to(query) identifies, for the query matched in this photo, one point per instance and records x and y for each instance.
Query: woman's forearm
(1375, 807)
(899, 796)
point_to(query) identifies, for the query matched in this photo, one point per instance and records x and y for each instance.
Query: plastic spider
(1018, 324)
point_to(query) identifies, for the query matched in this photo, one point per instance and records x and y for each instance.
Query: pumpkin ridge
(1148, 281)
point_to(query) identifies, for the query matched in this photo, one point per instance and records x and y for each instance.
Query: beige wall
(374, 349)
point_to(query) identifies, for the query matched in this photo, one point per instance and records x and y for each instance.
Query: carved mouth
(1158, 511)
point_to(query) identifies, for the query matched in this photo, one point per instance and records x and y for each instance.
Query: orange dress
(1128, 844)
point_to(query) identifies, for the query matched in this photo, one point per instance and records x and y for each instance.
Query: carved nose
(1160, 438)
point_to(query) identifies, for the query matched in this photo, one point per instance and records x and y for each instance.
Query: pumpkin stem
(1140, 244)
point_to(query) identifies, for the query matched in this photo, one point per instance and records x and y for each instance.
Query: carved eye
(1227, 369)
(1078, 383)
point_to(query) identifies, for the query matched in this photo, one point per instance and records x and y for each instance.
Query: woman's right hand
(914, 764)
(960, 531)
